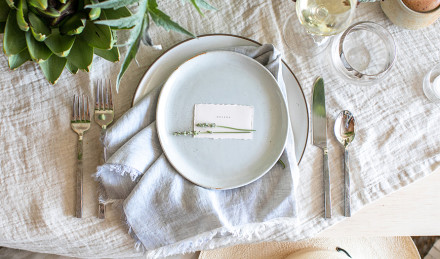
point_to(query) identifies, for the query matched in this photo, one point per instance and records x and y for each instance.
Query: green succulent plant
(57, 34)
(60, 34)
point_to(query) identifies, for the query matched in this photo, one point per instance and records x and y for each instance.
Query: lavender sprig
(196, 132)
(213, 125)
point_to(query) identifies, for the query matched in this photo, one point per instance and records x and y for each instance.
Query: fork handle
(101, 206)
(79, 179)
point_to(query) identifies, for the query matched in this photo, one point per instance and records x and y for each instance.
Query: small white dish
(222, 77)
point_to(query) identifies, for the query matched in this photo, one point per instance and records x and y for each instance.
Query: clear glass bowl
(431, 84)
(363, 54)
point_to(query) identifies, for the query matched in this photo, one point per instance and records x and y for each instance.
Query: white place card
(229, 115)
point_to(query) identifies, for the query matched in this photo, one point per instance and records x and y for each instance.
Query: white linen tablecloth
(397, 142)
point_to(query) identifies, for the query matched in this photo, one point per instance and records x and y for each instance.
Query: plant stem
(282, 163)
(235, 128)
(212, 132)
(213, 125)
(194, 132)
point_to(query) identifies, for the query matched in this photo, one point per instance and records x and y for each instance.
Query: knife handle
(327, 196)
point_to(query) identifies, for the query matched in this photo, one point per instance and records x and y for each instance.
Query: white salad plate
(222, 77)
(165, 64)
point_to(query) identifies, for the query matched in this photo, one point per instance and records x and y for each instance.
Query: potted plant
(59, 34)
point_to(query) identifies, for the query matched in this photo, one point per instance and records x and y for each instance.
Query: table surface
(411, 211)
(37, 188)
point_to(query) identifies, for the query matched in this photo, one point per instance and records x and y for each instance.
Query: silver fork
(80, 123)
(104, 114)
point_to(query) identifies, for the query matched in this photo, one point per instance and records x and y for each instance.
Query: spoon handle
(347, 198)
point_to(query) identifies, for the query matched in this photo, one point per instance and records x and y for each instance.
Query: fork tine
(88, 110)
(102, 96)
(78, 108)
(111, 97)
(83, 114)
(85, 104)
(106, 97)
(73, 108)
(97, 96)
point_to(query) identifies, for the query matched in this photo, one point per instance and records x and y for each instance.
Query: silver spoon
(344, 132)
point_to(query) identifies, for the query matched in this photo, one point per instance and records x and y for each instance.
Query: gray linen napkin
(163, 208)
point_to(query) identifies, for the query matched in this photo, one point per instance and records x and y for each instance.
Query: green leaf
(4, 11)
(58, 14)
(72, 68)
(131, 54)
(98, 36)
(203, 4)
(111, 14)
(13, 40)
(193, 2)
(40, 4)
(19, 59)
(53, 67)
(65, 6)
(51, 12)
(94, 13)
(122, 23)
(81, 54)
(73, 25)
(38, 27)
(10, 3)
(164, 20)
(115, 4)
(37, 50)
(146, 39)
(22, 11)
(199, 4)
(2, 27)
(111, 55)
(136, 31)
(59, 44)
(152, 4)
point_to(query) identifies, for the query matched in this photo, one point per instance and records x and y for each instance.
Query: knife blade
(319, 135)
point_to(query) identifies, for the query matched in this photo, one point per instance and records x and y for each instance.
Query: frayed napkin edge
(244, 233)
(117, 169)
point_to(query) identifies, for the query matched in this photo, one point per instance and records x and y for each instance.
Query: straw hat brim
(357, 247)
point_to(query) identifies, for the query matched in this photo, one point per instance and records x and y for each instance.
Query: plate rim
(244, 38)
(284, 107)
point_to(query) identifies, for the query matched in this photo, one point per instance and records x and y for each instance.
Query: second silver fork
(104, 115)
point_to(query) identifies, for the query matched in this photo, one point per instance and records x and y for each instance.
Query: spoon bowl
(345, 133)
(344, 128)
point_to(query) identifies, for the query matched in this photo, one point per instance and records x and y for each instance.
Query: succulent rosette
(57, 34)
(60, 34)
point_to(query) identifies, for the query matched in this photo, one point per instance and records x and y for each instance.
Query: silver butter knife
(319, 131)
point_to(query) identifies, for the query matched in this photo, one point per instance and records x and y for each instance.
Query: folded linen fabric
(162, 208)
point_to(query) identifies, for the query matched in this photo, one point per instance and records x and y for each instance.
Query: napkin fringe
(113, 168)
(119, 169)
(247, 233)
(138, 243)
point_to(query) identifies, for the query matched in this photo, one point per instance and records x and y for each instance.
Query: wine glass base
(299, 41)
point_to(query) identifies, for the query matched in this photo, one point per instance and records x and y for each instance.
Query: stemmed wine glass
(307, 34)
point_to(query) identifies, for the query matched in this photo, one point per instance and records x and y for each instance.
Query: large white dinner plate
(162, 68)
(222, 77)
